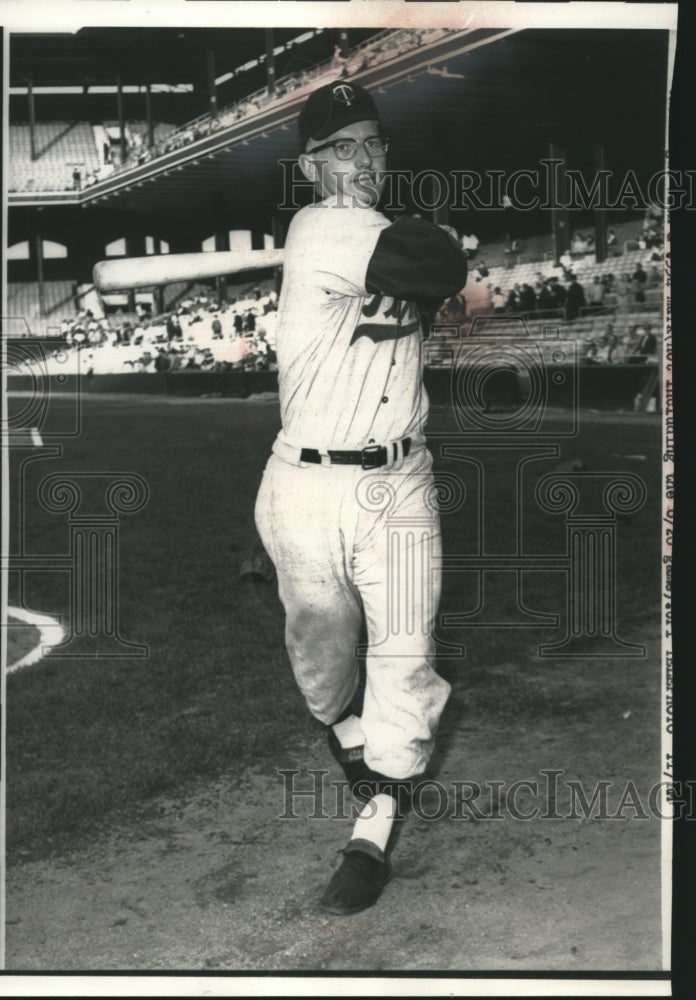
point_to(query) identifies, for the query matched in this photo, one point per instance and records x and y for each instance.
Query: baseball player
(349, 461)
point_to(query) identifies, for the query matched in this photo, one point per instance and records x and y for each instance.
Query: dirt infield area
(214, 880)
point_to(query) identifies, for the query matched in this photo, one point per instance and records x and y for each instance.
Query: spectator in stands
(654, 217)
(513, 299)
(470, 245)
(94, 333)
(77, 178)
(544, 296)
(251, 357)
(263, 348)
(527, 299)
(589, 354)
(611, 238)
(653, 277)
(624, 346)
(498, 300)
(609, 282)
(558, 293)
(650, 237)
(623, 293)
(639, 274)
(271, 305)
(645, 347)
(339, 60)
(163, 364)
(456, 309)
(575, 299)
(139, 331)
(637, 288)
(595, 294)
(238, 322)
(566, 261)
(482, 271)
(238, 350)
(607, 345)
(173, 327)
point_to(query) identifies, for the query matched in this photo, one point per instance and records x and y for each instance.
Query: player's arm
(416, 260)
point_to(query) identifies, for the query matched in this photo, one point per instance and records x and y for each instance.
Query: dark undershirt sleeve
(417, 261)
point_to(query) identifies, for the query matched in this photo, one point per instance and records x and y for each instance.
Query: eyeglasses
(345, 149)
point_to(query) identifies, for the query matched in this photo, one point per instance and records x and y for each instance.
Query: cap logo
(344, 94)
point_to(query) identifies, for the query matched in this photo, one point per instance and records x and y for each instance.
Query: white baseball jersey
(349, 354)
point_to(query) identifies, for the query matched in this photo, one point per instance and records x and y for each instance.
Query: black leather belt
(374, 456)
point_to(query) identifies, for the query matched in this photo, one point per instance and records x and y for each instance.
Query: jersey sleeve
(416, 260)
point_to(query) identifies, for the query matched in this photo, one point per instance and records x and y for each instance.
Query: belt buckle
(368, 456)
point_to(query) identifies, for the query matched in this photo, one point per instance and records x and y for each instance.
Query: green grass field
(91, 739)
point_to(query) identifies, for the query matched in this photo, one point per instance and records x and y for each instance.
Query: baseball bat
(141, 272)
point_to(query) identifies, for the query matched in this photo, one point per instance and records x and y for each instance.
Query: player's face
(360, 180)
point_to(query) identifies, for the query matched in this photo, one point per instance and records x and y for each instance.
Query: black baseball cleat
(356, 884)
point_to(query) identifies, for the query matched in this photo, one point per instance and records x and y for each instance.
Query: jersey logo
(391, 319)
(343, 93)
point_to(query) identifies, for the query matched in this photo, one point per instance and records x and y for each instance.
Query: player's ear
(308, 167)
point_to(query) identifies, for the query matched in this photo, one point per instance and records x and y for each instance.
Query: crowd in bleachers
(201, 334)
(198, 331)
(576, 291)
(563, 294)
(637, 345)
(629, 279)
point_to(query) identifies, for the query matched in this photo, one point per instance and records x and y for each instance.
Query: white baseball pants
(348, 544)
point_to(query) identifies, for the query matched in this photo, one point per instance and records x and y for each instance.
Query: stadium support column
(600, 215)
(222, 242)
(38, 245)
(157, 293)
(135, 247)
(32, 118)
(439, 195)
(148, 115)
(557, 199)
(270, 63)
(211, 73)
(278, 231)
(121, 122)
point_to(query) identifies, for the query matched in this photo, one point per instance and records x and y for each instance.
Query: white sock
(349, 732)
(375, 821)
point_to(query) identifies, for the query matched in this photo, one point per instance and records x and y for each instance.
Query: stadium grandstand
(127, 142)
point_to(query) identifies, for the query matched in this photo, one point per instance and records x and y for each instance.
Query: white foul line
(51, 634)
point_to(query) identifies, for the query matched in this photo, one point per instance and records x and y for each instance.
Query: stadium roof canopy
(481, 100)
(150, 55)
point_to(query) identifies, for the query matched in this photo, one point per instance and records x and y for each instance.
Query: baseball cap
(332, 107)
